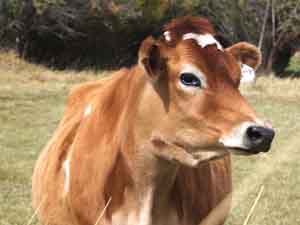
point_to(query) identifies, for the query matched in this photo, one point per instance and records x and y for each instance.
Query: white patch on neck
(87, 110)
(203, 40)
(66, 168)
(137, 216)
(248, 74)
(145, 213)
(167, 35)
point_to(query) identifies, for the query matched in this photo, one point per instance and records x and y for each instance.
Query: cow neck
(154, 174)
(153, 178)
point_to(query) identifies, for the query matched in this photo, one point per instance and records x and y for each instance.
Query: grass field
(31, 104)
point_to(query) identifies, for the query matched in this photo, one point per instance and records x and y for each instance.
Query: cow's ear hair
(246, 53)
(150, 58)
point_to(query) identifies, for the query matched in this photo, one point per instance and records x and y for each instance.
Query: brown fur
(114, 152)
(246, 53)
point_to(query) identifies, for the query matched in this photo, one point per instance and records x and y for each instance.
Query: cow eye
(190, 79)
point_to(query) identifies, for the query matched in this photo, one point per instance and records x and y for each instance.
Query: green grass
(278, 171)
(293, 68)
(31, 104)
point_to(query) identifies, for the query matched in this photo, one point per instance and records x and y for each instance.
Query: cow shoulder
(80, 95)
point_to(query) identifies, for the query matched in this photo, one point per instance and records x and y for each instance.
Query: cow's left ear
(150, 58)
(246, 53)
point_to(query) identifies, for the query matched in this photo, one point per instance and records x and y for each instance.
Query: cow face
(205, 114)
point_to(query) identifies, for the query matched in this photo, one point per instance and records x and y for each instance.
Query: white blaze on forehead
(203, 40)
(167, 35)
(247, 74)
(87, 110)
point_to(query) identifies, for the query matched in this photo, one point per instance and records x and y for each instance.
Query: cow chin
(207, 155)
(184, 155)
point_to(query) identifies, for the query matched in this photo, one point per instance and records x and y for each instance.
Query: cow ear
(246, 53)
(150, 58)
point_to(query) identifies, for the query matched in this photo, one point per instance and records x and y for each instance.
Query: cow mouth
(251, 150)
(220, 150)
(241, 151)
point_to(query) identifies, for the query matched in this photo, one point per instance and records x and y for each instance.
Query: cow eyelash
(189, 79)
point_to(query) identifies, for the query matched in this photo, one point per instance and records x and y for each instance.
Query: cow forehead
(192, 43)
(205, 52)
(203, 40)
(215, 63)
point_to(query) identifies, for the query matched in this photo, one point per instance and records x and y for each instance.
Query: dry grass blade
(254, 205)
(103, 211)
(35, 213)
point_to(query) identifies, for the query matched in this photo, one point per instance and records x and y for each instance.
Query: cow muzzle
(249, 138)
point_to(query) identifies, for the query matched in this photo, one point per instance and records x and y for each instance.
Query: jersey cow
(150, 145)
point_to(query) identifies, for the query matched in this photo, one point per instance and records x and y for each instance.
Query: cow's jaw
(181, 154)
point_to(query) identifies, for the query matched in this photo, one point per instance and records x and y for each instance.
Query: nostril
(254, 133)
(260, 138)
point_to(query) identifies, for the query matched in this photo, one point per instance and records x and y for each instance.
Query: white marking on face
(203, 40)
(66, 168)
(248, 74)
(87, 110)
(189, 68)
(236, 138)
(167, 35)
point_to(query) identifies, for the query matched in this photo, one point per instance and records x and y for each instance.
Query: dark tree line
(107, 34)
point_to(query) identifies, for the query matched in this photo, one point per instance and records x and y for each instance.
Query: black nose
(259, 138)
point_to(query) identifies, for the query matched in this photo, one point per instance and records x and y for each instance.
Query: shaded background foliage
(107, 34)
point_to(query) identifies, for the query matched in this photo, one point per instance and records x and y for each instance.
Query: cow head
(198, 112)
